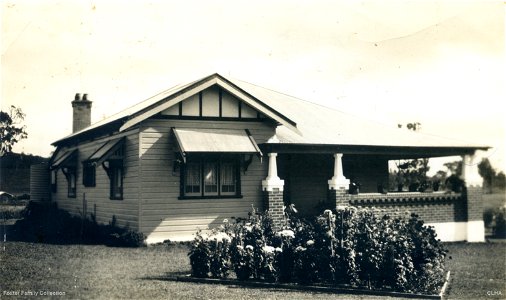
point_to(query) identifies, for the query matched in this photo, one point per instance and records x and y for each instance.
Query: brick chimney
(81, 112)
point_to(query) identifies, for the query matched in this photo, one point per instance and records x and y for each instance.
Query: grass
(494, 200)
(88, 271)
(84, 271)
(477, 269)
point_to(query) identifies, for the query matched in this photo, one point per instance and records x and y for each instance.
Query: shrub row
(353, 246)
(43, 222)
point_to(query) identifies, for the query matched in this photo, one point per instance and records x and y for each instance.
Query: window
(192, 180)
(115, 172)
(70, 174)
(53, 180)
(66, 161)
(228, 178)
(89, 176)
(210, 177)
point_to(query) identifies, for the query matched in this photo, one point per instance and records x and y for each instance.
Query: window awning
(110, 150)
(66, 159)
(215, 141)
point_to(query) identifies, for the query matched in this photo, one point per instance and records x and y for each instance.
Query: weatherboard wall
(95, 200)
(163, 215)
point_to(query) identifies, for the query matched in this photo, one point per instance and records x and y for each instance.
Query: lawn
(494, 200)
(138, 273)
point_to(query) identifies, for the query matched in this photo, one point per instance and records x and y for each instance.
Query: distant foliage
(361, 247)
(411, 175)
(492, 180)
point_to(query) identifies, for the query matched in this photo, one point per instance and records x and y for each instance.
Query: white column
(272, 182)
(473, 181)
(338, 181)
(470, 173)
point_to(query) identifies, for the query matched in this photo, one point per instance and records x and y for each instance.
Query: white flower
(240, 247)
(310, 242)
(220, 236)
(278, 249)
(292, 208)
(225, 221)
(249, 247)
(300, 248)
(268, 249)
(327, 212)
(287, 233)
(248, 228)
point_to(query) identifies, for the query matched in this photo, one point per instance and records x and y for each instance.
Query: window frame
(114, 167)
(54, 180)
(201, 160)
(71, 176)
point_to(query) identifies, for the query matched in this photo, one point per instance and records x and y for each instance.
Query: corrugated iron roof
(323, 125)
(315, 124)
(105, 151)
(134, 109)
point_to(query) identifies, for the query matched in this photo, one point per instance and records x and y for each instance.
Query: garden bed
(358, 249)
(342, 289)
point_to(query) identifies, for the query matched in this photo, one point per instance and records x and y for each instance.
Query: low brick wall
(431, 207)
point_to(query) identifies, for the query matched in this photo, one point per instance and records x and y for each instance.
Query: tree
(11, 130)
(412, 173)
(455, 167)
(500, 181)
(487, 173)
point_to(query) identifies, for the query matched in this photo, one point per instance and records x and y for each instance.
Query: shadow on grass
(284, 287)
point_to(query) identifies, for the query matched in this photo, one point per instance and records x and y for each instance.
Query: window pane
(192, 179)
(89, 175)
(228, 179)
(210, 178)
(71, 180)
(116, 182)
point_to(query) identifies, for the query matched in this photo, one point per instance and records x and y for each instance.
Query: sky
(439, 63)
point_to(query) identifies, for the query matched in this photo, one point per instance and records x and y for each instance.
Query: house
(198, 153)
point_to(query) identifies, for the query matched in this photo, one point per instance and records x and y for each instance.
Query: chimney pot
(81, 112)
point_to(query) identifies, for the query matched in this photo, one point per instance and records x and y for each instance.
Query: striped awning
(215, 141)
(66, 158)
(109, 150)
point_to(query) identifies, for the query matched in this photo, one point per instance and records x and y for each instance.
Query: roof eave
(88, 134)
(386, 150)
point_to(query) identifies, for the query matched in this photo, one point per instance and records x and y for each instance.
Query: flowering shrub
(356, 246)
(200, 256)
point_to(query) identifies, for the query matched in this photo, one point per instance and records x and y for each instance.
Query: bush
(354, 246)
(495, 218)
(44, 222)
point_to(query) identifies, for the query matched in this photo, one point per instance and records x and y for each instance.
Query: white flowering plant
(348, 245)
(200, 256)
